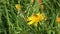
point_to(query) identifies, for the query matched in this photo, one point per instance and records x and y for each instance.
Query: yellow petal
(29, 18)
(38, 13)
(31, 22)
(35, 24)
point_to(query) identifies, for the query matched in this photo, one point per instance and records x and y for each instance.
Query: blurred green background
(12, 22)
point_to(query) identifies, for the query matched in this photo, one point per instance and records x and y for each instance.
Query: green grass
(13, 23)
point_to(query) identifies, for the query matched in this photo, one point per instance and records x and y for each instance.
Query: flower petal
(31, 22)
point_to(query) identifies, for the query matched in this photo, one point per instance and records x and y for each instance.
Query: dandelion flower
(35, 18)
(18, 6)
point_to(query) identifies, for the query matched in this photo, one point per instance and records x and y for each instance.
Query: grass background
(13, 23)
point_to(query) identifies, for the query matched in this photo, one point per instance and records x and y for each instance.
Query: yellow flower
(32, 1)
(42, 7)
(35, 18)
(57, 19)
(18, 6)
(39, 1)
